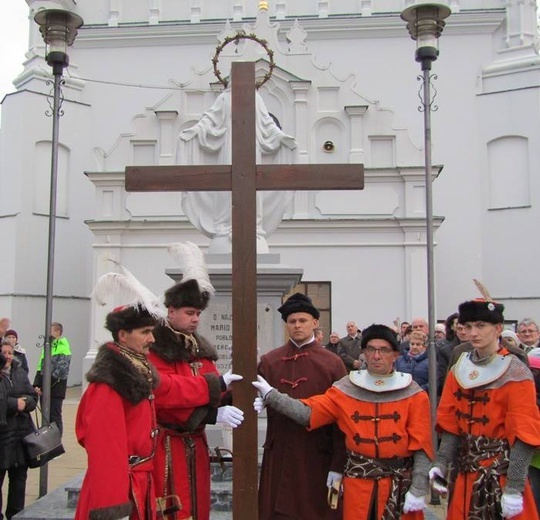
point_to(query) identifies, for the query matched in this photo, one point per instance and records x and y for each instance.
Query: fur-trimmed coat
(115, 421)
(185, 402)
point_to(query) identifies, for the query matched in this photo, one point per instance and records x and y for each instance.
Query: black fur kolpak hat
(187, 294)
(195, 288)
(298, 302)
(481, 310)
(129, 317)
(143, 308)
(378, 331)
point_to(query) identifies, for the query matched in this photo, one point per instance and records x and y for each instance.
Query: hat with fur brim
(481, 309)
(379, 331)
(187, 294)
(129, 317)
(298, 302)
(144, 308)
(195, 288)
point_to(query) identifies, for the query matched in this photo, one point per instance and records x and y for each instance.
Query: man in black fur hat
(298, 465)
(186, 365)
(489, 422)
(116, 422)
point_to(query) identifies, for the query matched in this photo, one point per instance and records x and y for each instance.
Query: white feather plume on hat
(191, 258)
(133, 291)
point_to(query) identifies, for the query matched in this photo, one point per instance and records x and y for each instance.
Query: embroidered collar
(471, 374)
(375, 383)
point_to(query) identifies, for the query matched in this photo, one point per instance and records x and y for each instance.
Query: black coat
(349, 350)
(19, 424)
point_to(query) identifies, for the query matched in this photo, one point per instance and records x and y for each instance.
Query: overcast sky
(13, 42)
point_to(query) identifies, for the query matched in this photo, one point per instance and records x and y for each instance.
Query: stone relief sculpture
(209, 140)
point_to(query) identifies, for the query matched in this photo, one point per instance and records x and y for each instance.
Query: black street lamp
(58, 28)
(425, 23)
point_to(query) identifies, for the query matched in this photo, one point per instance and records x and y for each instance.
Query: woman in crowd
(20, 399)
(414, 360)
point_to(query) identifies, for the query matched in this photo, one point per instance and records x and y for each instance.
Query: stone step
(54, 505)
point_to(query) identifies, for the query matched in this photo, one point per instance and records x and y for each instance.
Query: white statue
(209, 141)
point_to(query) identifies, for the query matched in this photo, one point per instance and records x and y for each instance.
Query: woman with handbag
(21, 399)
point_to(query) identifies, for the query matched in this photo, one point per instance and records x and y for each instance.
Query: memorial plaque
(216, 326)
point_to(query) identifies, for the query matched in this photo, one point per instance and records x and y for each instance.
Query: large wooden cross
(244, 177)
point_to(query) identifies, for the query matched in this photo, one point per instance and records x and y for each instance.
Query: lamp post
(58, 28)
(425, 23)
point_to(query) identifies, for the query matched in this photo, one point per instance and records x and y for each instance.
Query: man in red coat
(186, 365)
(298, 465)
(116, 423)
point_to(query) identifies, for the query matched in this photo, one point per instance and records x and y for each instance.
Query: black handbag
(43, 444)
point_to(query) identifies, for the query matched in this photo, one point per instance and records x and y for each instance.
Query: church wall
(509, 228)
(386, 63)
(126, 11)
(367, 283)
(25, 172)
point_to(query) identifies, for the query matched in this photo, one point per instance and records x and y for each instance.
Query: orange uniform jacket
(511, 414)
(409, 428)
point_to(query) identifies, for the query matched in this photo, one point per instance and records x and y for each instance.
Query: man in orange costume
(489, 422)
(385, 418)
(189, 397)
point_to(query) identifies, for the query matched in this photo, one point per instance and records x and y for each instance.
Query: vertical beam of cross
(244, 287)
(243, 178)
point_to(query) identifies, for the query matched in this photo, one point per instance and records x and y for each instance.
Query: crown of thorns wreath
(239, 36)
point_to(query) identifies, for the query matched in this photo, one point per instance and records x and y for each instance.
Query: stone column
(356, 150)
(302, 126)
(166, 137)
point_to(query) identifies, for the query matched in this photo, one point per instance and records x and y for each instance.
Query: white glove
(262, 386)
(440, 488)
(333, 476)
(258, 404)
(230, 416)
(511, 504)
(413, 503)
(229, 377)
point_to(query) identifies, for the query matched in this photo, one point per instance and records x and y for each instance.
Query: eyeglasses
(527, 331)
(381, 351)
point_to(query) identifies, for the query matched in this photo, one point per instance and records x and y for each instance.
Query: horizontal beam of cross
(271, 177)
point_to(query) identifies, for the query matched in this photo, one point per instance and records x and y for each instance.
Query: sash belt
(398, 469)
(486, 488)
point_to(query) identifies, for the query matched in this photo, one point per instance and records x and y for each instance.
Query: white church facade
(345, 87)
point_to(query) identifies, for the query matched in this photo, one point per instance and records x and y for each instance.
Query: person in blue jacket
(414, 360)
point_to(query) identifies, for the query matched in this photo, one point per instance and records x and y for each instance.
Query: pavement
(73, 462)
